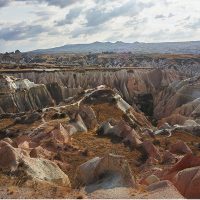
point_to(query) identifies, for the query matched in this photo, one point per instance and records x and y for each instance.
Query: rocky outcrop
(162, 190)
(151, 151)
(104, 94)
(180, 147)
(10, 157)
(111, 171)
(145, 90)
(82, 118)
(44, 170)
(13, 159)
(19, 95)
(121, 130)
(132, 85)
(180, 98)
(187, 182)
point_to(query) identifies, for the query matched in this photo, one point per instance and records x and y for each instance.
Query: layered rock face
(18, 95)
(179, 102)
(133, 85)
(158, 93)
(98, 144)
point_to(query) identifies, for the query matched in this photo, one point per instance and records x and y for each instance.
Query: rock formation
(101, 142)
(105, 173)
(19, 95)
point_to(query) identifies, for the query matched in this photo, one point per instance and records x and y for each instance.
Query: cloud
(195, 25)
(97, 16)
(170, 15)
(48, 23)
(4, 3)
(70, 17)
(21, 32)
(83, 31)
(159, 16)
(163, 16)
(43, 13)
(59, 3)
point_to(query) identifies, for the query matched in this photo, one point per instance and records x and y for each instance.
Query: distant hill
(192, 47)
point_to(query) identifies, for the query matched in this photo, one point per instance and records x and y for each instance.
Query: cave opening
(144, 103)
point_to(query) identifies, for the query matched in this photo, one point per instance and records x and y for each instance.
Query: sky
(35, 24)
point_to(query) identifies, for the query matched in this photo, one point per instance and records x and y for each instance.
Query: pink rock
(168, 157)
(187, 182)
(88, 116)
(187, 161)
(180, 147)
(9, 157)
(9, 141)
(150, 171)
(150, 180)
(159, 184)
(24, 145)
(151, 150)
(133, 138)
(61, 135)
(124, 129)
(112, 165)
(160, 190)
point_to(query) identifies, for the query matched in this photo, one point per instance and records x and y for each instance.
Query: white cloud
(32, 25)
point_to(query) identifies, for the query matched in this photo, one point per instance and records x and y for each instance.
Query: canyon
(99, 133)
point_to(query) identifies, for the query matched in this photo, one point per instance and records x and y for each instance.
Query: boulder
(105, 129)
(9, 141)
(122, 130)
(180, 147)
(43, 170)
(188, 161)
(151, 179)
(187, 182)
(88, 116)
(113, 166)
(160, 190)
(151, 150)
(159, 184)
(86, 172)
(71, 129)
(9, 157)
(133, 139)
(168, 157)
(60, 134)
(13, 159)
(79, 124)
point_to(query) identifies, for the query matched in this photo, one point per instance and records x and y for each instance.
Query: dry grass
(88, 142)
(98, 146)
(190, 140)
(105, 111)
(10, 189)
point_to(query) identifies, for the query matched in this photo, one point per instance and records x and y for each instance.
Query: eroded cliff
(132, 85)
(19, 95)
